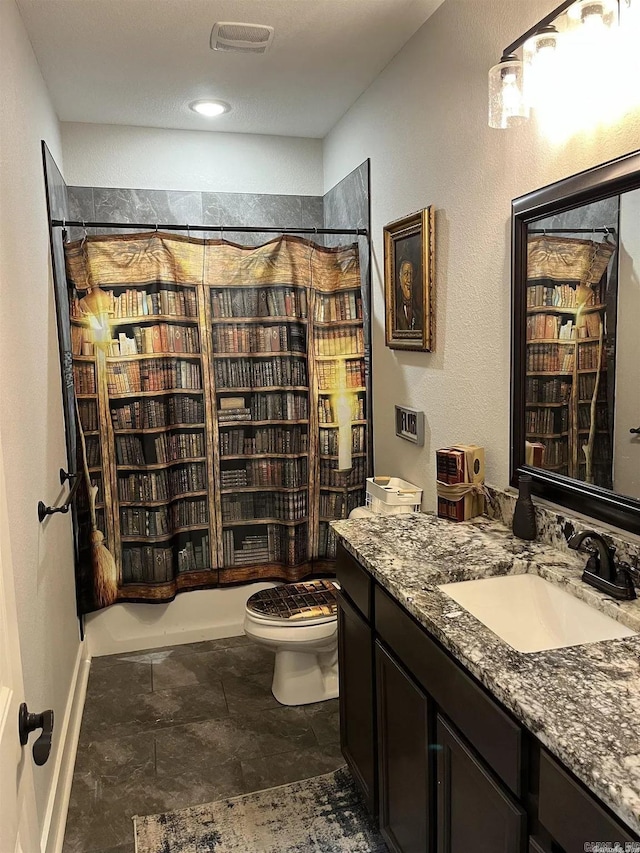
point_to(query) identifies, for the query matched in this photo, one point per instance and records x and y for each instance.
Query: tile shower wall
(178, 208)
(344, 206)
(347, 205)
(58, 206)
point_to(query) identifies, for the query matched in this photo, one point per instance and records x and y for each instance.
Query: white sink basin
(532, 614)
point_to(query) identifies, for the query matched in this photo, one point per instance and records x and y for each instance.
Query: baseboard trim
(68, 733)
(115, 646)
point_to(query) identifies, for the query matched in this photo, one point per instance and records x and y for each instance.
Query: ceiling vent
(241, 38)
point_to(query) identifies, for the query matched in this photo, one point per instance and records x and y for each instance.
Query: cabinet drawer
(495, 736)
(355, 581)
(572, 815)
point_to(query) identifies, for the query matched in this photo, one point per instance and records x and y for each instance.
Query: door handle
(28, 723)
(635, 431)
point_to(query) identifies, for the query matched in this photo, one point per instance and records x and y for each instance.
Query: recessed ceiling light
(210, 109)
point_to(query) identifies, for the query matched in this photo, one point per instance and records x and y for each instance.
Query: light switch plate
(410, 425)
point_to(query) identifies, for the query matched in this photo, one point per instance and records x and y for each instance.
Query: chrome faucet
(602, 571)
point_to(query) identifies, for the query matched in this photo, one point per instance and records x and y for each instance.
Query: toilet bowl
(300, 622)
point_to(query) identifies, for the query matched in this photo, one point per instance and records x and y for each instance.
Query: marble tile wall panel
(347, 206)
(147, 206)
(177, 207)
(58, 205)
(312, 211)
(598, 214)
(253, 209)
(81, 207)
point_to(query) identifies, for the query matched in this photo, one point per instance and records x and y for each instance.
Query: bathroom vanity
(459, 742)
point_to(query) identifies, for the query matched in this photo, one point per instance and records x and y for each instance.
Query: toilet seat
(300, 623)
(294, 605)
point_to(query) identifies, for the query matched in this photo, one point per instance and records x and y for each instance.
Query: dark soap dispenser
(524, 516)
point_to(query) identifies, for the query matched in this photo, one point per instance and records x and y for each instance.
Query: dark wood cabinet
(444, 764)
(355, 582)
(474, 811)
(571, 815)
(357, 701)
(493, 733)
(403, 758)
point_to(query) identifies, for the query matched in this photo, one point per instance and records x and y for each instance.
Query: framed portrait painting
(408, 282)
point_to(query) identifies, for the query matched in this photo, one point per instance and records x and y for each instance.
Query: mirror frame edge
(611, 178)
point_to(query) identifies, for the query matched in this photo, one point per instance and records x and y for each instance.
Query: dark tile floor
(174, 727)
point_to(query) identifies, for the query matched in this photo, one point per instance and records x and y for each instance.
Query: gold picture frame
(408, 282)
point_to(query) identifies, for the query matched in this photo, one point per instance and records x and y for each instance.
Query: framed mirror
(575, 390)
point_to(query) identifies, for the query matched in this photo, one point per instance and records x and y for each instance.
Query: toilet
(299, 621)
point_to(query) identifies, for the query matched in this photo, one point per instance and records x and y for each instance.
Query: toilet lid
(296, 602)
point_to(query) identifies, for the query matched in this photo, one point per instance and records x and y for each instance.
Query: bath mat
(320, 815)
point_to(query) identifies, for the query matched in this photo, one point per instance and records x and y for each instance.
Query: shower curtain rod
(604, 230)
(71, 223)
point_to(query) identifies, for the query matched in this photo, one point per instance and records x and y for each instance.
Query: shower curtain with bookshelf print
(221, 395)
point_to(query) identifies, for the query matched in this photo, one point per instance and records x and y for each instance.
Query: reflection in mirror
(582, 381)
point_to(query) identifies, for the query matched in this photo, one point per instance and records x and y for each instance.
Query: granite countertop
(581, 702)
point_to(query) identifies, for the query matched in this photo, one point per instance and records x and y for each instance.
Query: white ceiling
(140, 62)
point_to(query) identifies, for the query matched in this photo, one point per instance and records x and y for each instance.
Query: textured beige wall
(31, 420)
(106, 155)
(423, 123)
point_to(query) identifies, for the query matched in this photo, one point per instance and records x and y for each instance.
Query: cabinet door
(474, 812)
(355, 667)
(403, 759)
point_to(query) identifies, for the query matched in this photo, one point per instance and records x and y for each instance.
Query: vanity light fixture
(210, 109)
(517, 85)
(543, 44)
(507, 104)
(540, 54)
(593, 14)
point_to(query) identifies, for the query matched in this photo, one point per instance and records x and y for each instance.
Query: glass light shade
(593, 15)
(507, 104)
(541, 67)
